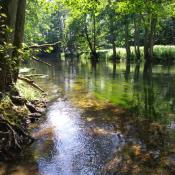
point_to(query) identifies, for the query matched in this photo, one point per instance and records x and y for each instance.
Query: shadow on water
(102, 123)
(148, 148)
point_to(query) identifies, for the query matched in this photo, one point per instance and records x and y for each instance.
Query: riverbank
(162, 53)
(19, 108)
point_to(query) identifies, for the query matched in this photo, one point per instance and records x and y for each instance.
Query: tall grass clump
(164, 53)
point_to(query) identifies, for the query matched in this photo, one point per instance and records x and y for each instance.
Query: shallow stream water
(103, 119)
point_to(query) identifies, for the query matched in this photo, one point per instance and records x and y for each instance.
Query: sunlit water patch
(77, 148)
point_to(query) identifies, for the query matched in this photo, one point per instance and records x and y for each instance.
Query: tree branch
(42, 46)
(41, 61)
(31, 82)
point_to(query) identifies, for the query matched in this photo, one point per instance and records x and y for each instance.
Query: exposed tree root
(12, 137)
(16, 113)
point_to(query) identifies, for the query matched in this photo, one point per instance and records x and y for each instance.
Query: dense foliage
(84, 26)
(93, 25)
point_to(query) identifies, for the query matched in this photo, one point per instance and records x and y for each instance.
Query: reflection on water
(88, 129)
(75, 150)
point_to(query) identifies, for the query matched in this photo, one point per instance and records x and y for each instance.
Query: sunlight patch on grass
(27, 91)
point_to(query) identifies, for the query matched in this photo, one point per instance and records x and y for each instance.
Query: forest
(87, 87)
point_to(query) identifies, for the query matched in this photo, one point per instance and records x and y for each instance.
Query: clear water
(104, 120)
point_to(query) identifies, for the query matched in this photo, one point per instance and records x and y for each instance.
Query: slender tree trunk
(111, 29)
(136, 72)
(127, 44)
(114, 51)
(113, 41)
(149, 39)
(94, 32)
(152, 33)
(137, 39)
(94, 53)
(92, 42)
(128, 69)
(146, 44)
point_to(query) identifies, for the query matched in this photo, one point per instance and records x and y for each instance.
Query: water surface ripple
(75, 151)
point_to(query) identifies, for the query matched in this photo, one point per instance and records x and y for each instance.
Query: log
(35, 75)
(41, 61)
(31, 82)
(42, 46)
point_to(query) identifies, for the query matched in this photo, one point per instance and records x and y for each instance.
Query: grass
(121, 52)
(27, 91)
(161, 53)
(164, 53)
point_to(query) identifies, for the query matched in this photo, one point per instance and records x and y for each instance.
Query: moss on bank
(14, 113)
(27, 91)
(18, 108)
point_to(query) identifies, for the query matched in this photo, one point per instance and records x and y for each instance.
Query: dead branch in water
(31, 82)
(41, 61)
(42, 46)
(34, 75)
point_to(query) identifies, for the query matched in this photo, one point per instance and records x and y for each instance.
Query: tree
(12, 19)
(124, 9)
(39, 20)
(112, 22)
(150, 13)
(88, 10)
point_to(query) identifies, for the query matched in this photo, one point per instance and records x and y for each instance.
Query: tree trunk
(92, 44)
(137, 39)
(88, 39)
(19, 35)
(114, 51)
(9, 7)
(15, 12)
(111, 30)
(127, 44)
(149, 39)
(94, 32)
(112, 38)
(146, 44)
(94, 52)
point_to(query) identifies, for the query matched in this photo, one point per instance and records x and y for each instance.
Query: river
(103, 119)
